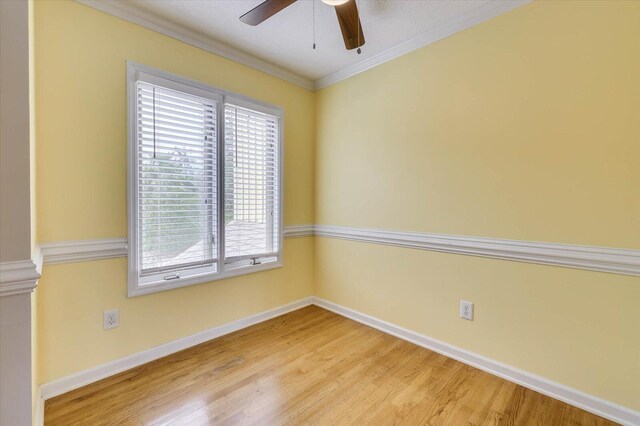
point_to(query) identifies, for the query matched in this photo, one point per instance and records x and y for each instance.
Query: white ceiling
(282, 45)
(286, 38)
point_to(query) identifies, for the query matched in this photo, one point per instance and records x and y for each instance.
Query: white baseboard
(547, 387)
(82, 378)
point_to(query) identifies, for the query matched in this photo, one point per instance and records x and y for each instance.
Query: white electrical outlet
(111, 319)
(466, 310)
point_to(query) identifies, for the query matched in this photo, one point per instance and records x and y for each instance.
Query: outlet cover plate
(466, 310)
(111, 319)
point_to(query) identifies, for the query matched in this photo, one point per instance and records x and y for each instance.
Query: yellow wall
(524, 127)
(71, 298)
(81, 189)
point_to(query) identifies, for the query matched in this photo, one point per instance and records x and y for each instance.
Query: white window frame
(138, 285)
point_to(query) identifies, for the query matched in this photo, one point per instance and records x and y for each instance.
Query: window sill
(139, 290)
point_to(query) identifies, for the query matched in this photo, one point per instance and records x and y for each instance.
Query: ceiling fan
(346, 11)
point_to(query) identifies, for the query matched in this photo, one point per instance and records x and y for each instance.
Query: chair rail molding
(20, 276)
(592, 258)
(109, 248)
(81, 250)
(297, 231)
(602, 259)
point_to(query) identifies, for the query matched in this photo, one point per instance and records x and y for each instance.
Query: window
(204, 183)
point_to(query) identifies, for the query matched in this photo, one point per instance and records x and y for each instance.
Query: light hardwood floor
(308, 367)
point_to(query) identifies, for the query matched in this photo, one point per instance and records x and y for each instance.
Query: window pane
(176, 135)
(251, 183)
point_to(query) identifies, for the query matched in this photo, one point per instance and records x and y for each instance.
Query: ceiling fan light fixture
(334, 2)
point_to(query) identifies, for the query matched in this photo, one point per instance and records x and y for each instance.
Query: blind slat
(251, 182)
(176, 134)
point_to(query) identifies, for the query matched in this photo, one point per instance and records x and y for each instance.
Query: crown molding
(131, 13)
(469, 19)
(601, 259)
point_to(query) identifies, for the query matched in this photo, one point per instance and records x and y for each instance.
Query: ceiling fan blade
(350, 25)
(264, 11)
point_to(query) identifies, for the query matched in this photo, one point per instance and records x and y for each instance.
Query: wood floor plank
(310, 367)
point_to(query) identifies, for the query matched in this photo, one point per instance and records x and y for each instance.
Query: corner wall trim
(602, 259)
(547, 387)
(38, 418)
(82, 378)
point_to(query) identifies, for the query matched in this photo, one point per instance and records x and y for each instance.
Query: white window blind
(251, 197)
(204, 193)
(177, 171)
